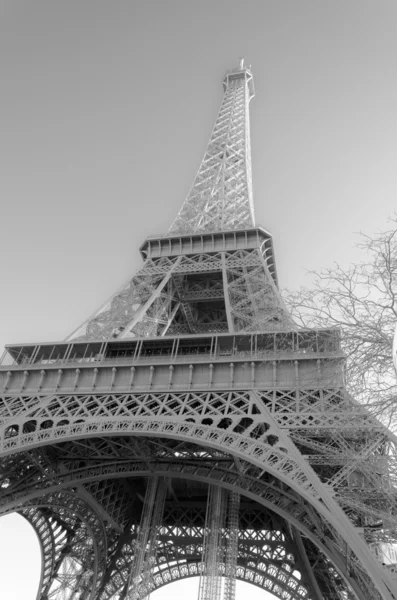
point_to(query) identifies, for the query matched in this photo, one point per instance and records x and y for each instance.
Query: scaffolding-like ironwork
(190, 428)
(210, 586)
(232, 546)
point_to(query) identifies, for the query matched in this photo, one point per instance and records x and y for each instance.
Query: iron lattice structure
(188, 428)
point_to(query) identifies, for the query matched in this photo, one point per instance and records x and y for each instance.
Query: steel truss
(311, 452)
(232, 546)
(253, 445)
(191, 378)
(221, 195)
(236, 292)
(210, 586)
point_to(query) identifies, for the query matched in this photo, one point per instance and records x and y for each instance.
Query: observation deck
(211, 242)
(271, 360)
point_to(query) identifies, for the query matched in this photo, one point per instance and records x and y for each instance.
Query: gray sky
(105, 113)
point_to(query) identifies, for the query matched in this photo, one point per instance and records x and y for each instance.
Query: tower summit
(189, 428)
(221, 195)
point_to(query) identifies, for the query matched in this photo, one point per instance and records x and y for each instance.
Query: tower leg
(150, 558)
(145, 545)
(210, 580)
(232, 546)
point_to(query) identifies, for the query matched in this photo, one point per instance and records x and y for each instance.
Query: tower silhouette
(189, 427)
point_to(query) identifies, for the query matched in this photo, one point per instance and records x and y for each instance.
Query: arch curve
(289, 589)
(264, 493)
(270, 450)
(68, 529)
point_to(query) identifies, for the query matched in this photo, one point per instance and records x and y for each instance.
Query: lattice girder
(296, 511)
(175, 292)
(221, 194)
(231, 555)
(74, 543)
(271, 450)
(54, 539)
(248, 540)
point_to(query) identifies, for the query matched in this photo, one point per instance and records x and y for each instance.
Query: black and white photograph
(198, 309)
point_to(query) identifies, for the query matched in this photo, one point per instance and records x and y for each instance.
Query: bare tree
(360, 300)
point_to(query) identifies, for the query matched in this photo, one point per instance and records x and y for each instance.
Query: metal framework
(193, 381)
(210, 586)
(232, 546)
(221, 195)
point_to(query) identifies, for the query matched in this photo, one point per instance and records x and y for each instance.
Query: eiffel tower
(190, 428)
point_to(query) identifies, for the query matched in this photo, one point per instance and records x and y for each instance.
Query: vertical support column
(145, 546)
(143, 534)
(150, 558)
(232, 546)
(226, 294)
(210, 578)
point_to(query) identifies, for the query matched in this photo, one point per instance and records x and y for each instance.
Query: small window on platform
(194, 346)
(51, 353)
(117, 350)
(86, 352)
(18, 355)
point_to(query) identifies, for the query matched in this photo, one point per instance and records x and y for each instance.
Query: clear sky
(106, 109)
